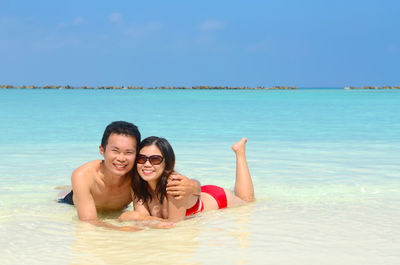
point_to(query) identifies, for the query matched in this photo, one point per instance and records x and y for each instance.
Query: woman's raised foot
(240, 147)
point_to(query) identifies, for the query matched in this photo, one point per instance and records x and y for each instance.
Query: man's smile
(120, 166)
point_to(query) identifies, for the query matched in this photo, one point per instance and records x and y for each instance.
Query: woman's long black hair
(140, 186)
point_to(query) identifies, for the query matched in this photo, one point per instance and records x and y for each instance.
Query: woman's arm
(140, 212)
(177, 207)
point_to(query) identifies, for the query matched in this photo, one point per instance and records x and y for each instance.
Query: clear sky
(305, 43)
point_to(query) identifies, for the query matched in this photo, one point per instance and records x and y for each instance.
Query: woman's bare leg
(244, 185)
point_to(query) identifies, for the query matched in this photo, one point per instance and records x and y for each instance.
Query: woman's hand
(129, 228)
(150, 221)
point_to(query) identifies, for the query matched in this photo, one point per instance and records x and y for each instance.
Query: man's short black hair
(121, 128)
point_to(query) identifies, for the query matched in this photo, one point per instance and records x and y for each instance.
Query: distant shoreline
(372, 87)
(145, 88)
(184, 88)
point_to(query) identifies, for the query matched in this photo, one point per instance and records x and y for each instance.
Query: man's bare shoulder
(89, 170)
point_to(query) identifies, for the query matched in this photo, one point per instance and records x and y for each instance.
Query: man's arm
(84, 203)
(180, 186)
(83, 199)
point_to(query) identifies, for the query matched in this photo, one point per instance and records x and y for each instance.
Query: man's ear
(101, 149)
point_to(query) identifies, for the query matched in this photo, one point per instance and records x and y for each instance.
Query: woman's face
(148, 171)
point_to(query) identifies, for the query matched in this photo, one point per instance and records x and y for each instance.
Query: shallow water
(324, 164)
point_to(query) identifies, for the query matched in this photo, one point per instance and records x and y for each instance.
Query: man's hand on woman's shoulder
(180, 186)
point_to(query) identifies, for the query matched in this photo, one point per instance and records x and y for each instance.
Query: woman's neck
(152, 185)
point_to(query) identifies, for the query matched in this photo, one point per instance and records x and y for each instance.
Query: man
(105, 185)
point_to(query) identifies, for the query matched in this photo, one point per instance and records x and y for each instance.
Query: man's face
(119, 154)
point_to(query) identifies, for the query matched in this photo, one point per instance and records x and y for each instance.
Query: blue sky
(187, 43)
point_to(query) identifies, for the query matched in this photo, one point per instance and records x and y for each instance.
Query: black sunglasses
(154, 159)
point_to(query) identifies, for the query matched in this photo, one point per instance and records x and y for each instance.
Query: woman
(155, 163)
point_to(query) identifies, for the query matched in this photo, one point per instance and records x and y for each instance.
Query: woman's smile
(147, 171)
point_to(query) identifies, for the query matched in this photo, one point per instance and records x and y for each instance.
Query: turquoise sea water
(325, 165)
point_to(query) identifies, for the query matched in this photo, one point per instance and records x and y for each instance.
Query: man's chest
(116, 199)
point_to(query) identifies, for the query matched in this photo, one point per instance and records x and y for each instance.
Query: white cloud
(393, 48)
(261, 46)
(4, 20)
(115, 18)
(13, 21)
(75, 22)
(212, 25)
(205, 40)
(141, 30)
(56, 42)
(78, 20)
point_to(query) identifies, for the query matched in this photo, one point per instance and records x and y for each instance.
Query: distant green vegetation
(178, 87)
(373, 87)
(139, 87)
